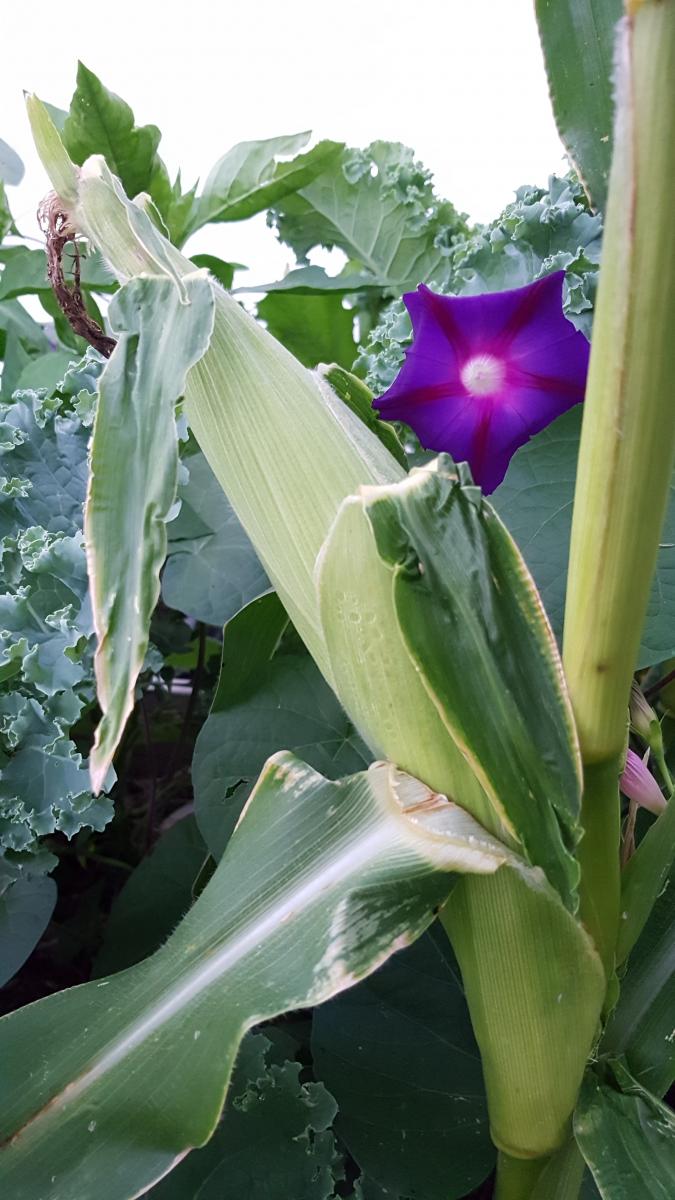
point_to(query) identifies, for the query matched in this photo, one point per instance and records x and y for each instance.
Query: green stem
(555, 1178)
(628, 436)
(562, 1176)
(516, 1177)
(660, 760)
(600, 886)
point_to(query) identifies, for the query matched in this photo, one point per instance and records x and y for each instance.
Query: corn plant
(492, 800)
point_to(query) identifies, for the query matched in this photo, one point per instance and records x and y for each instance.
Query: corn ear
(283, 446)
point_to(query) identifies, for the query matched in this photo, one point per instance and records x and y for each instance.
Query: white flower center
(483, 374)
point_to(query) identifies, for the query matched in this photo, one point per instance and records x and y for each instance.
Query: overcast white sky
(462, 81)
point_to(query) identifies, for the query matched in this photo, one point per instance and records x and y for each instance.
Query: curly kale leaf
(378, 206)
(46, 634)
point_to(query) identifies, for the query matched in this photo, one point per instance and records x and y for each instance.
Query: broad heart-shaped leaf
(399, 1055)
(316, 329)
(320, 883)
(25, 273)
(274, 1141)
(577, 37)
(221, 270)
(473, 624)
(267, 699)
(641, 1025)
(11, 166)
(45, 371)
(251, 177)
(626, 1135)
(212, 569)
(134, 475)
(99, 122)
(16, 322)
(379, 207)
(308, 281)
(25, 908)
(154, 898)
(535, 502)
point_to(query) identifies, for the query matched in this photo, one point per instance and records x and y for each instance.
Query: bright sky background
(461, 81)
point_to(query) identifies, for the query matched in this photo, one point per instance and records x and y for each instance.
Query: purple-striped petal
(485, 373)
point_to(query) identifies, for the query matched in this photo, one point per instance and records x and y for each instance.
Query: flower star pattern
(485, 373)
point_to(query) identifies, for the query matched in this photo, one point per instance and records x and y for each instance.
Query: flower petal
(638, 783)
(540, 361)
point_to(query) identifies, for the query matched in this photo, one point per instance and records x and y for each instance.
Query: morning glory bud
(639, 785)
(644, 721)
(485, 373)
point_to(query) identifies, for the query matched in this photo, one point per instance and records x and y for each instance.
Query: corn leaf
(577, 37)
(132, 487)
(106, 1086)
(643, 879)
(626, 1136)
(641, 1025)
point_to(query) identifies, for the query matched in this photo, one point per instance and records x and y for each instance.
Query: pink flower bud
(638, 783)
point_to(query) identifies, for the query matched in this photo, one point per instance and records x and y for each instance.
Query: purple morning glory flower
(485, 373)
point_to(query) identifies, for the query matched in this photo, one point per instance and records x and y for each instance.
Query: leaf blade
(626, 1136)
(332, 875)
(126, 511)
(578, 44)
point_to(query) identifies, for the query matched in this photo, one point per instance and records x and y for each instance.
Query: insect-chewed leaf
(477, 633)
(134, 473)
(320, 883)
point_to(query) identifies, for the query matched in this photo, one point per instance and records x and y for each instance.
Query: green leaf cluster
(46, 645)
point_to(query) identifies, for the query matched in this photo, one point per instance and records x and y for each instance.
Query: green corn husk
(285, 449)
(288, 453)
